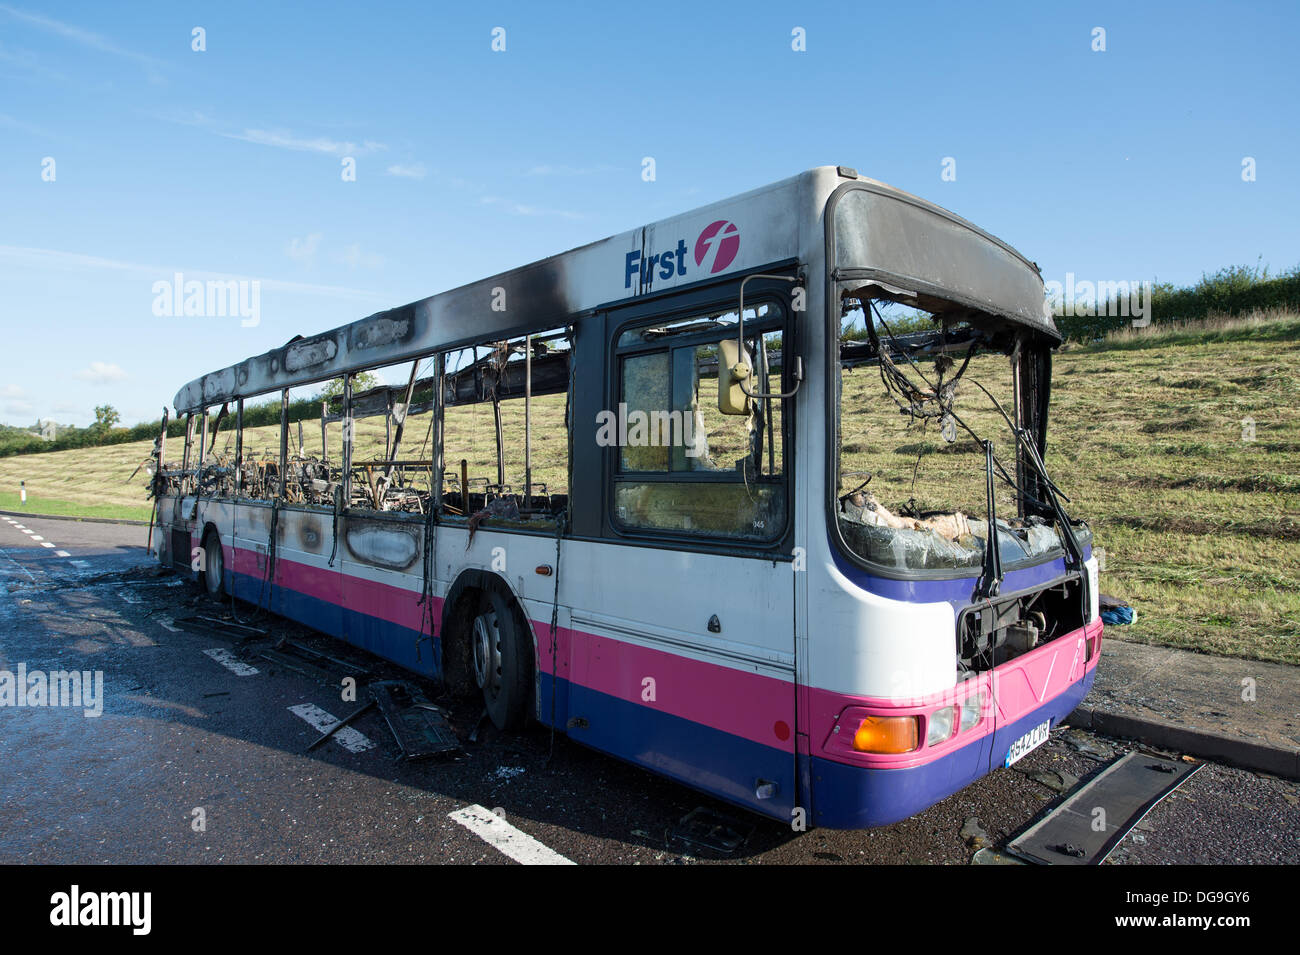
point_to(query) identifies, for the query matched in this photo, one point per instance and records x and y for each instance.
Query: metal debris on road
(712, 830)
(420, 728)
(1093, 819)
(339, 725)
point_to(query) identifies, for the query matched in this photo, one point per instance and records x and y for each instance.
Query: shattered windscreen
(920, 394)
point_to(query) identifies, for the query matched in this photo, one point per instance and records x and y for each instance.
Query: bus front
(954, 619)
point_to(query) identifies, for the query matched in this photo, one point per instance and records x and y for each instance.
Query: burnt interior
(324, 473)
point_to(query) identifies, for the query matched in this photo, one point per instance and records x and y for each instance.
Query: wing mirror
(736, 368)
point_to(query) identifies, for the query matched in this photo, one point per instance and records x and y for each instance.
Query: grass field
(1200, 526)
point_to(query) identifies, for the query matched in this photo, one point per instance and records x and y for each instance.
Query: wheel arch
(458, 610)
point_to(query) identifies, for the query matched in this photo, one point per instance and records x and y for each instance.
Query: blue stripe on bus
(380, 637)
(957, 591)
(704, 758)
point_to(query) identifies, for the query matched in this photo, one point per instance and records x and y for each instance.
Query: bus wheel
(501, 661)
(214, 565)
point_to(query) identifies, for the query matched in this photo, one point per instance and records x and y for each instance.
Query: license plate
(1035, 738)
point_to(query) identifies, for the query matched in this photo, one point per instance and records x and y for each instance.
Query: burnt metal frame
(834, 276)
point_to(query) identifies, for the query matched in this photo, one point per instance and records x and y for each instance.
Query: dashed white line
(504, 837)
(27, 532)
(46, 544)
(37, 537)
(231, 662)
(61, 553)
(350, 739)
(79, 563)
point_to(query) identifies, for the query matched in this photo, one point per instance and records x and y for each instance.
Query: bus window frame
(672, 309)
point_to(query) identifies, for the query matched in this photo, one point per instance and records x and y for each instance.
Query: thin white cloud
(86, 38)
(520, 209)
(101, 373)
(18, 407)
(74, 261)
(352, 257)
(411, 171)
(11, 391)
(283, 139)
(304, 250)
(28, 62)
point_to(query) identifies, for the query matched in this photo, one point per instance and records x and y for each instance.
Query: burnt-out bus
(754, 497)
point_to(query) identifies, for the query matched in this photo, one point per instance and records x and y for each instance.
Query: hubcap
(487, 653)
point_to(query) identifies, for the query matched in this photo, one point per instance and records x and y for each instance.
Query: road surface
(196, 759)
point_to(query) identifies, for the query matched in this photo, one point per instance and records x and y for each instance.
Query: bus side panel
(305, 588)
(697, 722)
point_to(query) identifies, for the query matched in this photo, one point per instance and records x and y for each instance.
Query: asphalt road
(192, 762)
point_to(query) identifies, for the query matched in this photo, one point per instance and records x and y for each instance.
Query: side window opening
(391, 423)
(505, 430)
(681, 464)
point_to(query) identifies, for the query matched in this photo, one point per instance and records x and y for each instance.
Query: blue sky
(1123, 164)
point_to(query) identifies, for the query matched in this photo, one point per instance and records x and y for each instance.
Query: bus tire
(502, 660)
(214, 565)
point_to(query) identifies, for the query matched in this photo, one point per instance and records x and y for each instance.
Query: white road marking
(46, 544)
(80, 563)
(28, 533)
(231, 662)
(498, 833)
(20, 527)
(37, 537)
(348, 738)
(61, 553)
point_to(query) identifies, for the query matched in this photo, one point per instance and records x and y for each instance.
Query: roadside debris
(420, 728)
(1087, 745)
(973, 834)
(214, 626)
(1092, 820)
(712, 830)
(994, 857)
(340, 724)
(1056, 780)
(1115, 612)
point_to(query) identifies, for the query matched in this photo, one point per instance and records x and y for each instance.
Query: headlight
(942, 724)
(971, 709)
